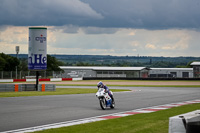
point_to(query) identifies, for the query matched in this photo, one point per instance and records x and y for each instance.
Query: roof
(175, 69)
(195, 64)
(37, 28)
(105, 68)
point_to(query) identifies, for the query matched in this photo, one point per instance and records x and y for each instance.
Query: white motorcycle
(104, 99)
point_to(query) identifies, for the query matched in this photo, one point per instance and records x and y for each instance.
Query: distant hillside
(107, 60)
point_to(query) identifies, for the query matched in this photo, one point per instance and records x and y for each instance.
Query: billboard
(37, 49)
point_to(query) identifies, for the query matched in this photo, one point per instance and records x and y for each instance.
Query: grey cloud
(70, 29)
(149, 14)
(96, 30)
(3, 27)
(45, 12)
(143, 14)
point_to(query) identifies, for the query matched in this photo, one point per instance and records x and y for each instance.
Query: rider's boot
(112, 98)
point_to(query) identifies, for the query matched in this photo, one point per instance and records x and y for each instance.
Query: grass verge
(156, 122)
(59, 91)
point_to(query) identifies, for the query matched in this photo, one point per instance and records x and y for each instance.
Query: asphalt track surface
(24, 112)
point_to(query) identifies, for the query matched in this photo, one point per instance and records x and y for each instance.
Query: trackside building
(130, 72)
(171, 73)
(196, 69)
(99, 72)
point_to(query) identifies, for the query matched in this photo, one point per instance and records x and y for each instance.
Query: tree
(23, 65)
(8, 63)
(185, 66)
(53, 64)
(2, 63)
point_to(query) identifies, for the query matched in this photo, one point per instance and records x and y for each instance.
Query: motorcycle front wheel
(102, 103)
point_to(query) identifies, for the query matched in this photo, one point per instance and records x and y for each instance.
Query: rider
(101, 85)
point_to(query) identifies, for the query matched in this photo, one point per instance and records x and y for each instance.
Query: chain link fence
(29, 74)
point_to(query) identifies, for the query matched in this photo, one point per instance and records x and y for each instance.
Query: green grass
(156, 122)
(59, 91)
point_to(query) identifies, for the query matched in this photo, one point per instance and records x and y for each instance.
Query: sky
(104, 27)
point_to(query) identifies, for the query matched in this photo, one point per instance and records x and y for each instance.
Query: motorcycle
(104, 99)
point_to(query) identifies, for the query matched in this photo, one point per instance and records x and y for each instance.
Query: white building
(126, 72)
(171, 73)
(123, 72)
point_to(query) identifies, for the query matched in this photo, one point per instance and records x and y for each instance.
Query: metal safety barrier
(26, 87)
(46, 87)
(7, 87)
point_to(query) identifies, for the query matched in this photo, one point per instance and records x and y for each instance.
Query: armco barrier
(6, 80)
(185, 123)
(66, 79)
(56, 79)
(46, 87)
(26, 87)
(127, 78)
(44, 79)
(7, 87)
(77, 79)
(30, 80)
(19, 80)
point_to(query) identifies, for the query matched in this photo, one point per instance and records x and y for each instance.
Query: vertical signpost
(37, 50)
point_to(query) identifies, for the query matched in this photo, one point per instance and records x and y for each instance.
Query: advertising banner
(37, 49)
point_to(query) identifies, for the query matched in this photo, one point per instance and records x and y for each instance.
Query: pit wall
(33, 80)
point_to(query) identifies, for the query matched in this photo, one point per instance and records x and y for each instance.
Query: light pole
(17, 51)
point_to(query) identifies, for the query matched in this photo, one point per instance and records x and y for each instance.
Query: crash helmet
(100, 85)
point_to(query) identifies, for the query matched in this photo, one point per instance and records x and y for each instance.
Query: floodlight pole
(17, 51)
(16, 72)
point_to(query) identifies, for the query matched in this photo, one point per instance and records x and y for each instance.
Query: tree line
(158, 64)
(10, 62)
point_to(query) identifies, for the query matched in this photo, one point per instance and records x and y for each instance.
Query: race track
(24, 112)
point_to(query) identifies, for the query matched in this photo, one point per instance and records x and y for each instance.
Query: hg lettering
(41, 39)
(38, 60)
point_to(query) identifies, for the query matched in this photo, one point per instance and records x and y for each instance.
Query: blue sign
(37, 62)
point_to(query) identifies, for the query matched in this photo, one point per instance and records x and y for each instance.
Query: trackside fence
(26, 87)
(29, 74)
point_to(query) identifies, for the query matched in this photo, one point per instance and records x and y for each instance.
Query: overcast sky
(104, 27)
